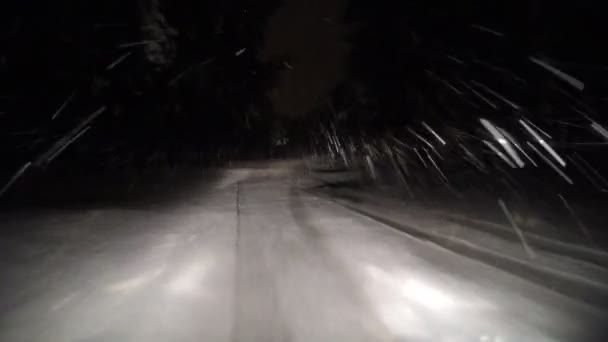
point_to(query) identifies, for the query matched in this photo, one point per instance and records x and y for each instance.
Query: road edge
(572, 286)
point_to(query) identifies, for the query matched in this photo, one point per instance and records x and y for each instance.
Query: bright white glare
(514, 142)
(542, 143)
(393, 308)
(426, 295)
(495, 131)
(135, 282)
(188, 281)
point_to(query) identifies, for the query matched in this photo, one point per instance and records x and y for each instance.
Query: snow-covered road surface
(255, 258)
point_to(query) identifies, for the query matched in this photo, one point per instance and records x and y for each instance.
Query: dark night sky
(381, 64)
(309, 33)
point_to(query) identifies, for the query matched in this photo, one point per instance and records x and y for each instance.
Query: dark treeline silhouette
(447, 64)
(175, 81)
(410, 58)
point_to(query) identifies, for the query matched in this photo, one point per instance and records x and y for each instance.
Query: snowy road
(256, 258)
